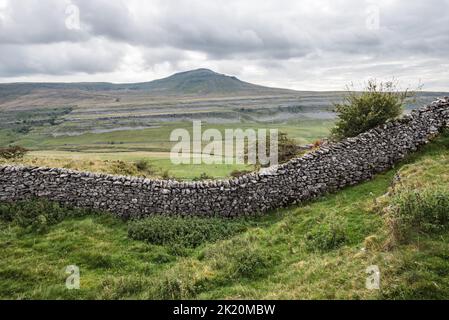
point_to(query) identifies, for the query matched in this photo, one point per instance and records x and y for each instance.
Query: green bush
(143, 165)
(36, 215)
(186, 232)
(287, 148)
(361, 111)
(412, 211)
(327, 235)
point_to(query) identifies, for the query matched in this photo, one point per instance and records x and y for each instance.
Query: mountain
(200, 81)
(194, 82)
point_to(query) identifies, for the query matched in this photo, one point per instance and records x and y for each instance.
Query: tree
(287, 148)
(361, 111)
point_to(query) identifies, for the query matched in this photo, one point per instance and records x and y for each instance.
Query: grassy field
(104, 152)
(155, 139)
(319, 250)
(123, 163)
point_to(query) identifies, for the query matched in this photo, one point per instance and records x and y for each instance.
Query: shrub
(413, 211)
(36, 215)
(123, 168)
(142, 165)
(360, 112)
(287, 148)
(13, 153)
(327, 235)
(185, 232)
(145, 167)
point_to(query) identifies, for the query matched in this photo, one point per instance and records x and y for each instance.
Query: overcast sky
(298, 44)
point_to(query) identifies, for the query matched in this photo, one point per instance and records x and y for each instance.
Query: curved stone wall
(332, 167)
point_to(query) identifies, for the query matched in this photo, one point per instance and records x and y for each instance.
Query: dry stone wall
(332, 167)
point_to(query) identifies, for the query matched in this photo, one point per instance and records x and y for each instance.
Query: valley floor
(118, 152)
(318, 250)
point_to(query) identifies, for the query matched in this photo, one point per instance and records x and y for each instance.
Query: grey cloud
(58, 59)
(262, 35)
(37, 22)
(224, 29)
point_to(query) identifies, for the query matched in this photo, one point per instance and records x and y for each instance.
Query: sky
(296, 44)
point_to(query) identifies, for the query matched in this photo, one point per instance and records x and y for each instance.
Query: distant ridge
(199, 81)
(194, 82)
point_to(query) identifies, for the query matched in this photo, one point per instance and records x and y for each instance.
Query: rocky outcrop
(327, 169)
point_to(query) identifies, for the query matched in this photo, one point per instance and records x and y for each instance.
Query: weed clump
(413, 212)
(144, 166)
(251, 263)
(185, 232)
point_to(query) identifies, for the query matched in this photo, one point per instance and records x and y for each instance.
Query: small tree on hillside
(361, 111)
(287, 148)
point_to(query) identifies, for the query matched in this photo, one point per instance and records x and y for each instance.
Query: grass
(156, 138)
(271, 258)
(99, 152)
(186, 232)
(125, 163)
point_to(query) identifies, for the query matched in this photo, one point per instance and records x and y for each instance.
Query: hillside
(47, 110)
(201, 82)
(198, 82)
(319, 250)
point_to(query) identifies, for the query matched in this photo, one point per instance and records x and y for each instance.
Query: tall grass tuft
(413, 212)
